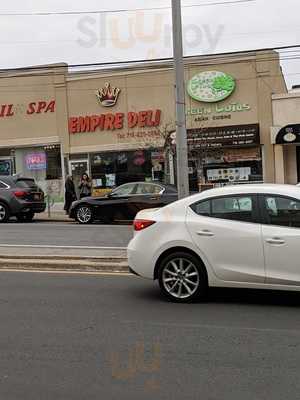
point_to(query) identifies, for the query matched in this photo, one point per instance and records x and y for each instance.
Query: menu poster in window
(110, 180)
(97, 182)
(36, 161)
(5, 167)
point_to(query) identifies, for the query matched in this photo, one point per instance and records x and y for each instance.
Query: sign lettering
(116, 121)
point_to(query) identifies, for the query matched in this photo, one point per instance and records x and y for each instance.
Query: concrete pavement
(70, 337)
(53, 217)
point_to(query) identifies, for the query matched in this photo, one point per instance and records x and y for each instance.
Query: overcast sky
(208, 29)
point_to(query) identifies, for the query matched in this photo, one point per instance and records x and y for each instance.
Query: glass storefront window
(40, 163)
(43, 164)
(112, 169)
(225, 166)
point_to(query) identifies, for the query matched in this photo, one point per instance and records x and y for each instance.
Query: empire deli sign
(115, 121)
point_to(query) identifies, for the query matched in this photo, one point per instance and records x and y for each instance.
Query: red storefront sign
(115, 121)
(38, 107)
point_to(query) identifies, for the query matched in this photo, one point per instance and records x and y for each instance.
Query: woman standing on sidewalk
(85, 186)
(70, 193)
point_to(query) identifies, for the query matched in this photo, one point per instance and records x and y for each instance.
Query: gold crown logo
(108, 95)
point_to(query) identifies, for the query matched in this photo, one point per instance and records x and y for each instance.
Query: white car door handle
(205, 233)
(277, 241)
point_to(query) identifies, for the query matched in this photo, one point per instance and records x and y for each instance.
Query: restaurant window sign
(36, 161)
(290, 134)
(228, 136)
(211, 86)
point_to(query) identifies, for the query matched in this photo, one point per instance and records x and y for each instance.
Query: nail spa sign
(39, 107)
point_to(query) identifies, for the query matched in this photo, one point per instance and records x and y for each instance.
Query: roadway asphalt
(83, 337)
(65, 234)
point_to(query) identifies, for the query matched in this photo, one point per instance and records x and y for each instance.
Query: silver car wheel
(181, 278)
(84, 215)
(2, 213)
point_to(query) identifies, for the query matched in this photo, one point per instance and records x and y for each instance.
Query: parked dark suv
(20, 197)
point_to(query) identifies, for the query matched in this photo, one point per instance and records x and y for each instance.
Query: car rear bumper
(140, 262)
(33, 207)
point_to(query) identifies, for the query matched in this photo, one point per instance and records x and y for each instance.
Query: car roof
(13, 178)
(253, 188)
(146, 182)
(6, 178)
(173, 187)
(284, 190)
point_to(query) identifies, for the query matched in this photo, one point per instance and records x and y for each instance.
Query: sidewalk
(57, 214)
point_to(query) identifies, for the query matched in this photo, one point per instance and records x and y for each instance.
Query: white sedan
(240, 236)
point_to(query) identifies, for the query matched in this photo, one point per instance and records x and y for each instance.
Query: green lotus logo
(211, 86)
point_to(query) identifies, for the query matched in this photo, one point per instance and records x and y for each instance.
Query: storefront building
(118, 125)
(285, 137)
(33, 128)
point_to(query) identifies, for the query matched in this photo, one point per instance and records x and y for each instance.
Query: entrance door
(78, 168)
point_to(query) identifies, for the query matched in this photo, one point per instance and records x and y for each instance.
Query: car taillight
(140, 224)
(20, 194)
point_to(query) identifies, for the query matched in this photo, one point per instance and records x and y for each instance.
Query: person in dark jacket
(70, 193)
(85, 186)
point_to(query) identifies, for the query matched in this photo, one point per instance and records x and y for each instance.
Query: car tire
(28, 217)
(182, 278)
(4, 213)
(84, 214)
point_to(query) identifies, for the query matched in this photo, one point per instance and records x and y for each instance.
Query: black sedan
(123, 203)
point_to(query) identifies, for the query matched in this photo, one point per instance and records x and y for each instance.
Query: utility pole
(181, 136)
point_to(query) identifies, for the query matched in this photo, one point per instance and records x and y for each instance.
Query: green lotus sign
(211, 86)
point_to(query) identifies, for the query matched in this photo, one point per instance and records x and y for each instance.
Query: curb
(67, 220)
(63, 258)
(87, 265)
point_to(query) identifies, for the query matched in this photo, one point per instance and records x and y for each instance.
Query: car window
(282, 211)
(25, 183)
(237, 208)
(202, 208)
(148, 188)
(124, 190)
